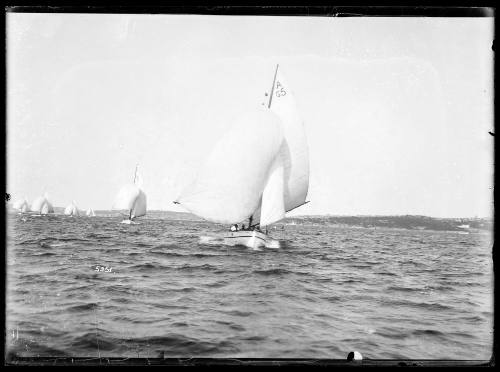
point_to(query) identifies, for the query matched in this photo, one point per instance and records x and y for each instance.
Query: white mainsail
(259, 169)
(90, 212)
(229, 185)
(131, 199)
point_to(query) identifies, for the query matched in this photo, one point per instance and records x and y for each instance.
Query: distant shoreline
(408, 222)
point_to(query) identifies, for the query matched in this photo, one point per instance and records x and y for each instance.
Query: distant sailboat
(257, 171)
(72, 210)
(131, 200)
(90, 212)
(42, 206)
(22, 206)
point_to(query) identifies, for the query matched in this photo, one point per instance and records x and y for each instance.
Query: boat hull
(251, 239)
(129, 222)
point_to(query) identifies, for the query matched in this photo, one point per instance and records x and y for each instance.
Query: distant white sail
(25, 207)
(131, 200)
(47, 208)
(37, 204)
(21, 205)
(42, 205)
(90, 212)
(229, 186)
(296, 153)
(72, 210)
(140, 205)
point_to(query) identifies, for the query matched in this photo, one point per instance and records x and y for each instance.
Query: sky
(396, 110)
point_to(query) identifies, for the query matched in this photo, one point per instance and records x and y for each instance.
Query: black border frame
(433, 10)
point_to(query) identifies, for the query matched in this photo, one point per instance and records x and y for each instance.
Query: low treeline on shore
(402, 222)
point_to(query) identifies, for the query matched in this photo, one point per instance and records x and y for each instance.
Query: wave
(276, 271)
(427, 332)
(422, 305)
(239, 313)
(189, 267)
(94, 341)
(82, 307)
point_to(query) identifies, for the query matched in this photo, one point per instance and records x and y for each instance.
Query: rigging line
(300, 205)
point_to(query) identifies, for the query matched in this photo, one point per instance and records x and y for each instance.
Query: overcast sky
(397, 110)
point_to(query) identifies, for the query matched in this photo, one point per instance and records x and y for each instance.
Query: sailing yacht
(72, 210)
(22, 206)
(90, 212)
(259, 170)
(131, 200)
(42, 206)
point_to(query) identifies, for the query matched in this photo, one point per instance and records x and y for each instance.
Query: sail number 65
(280, 91)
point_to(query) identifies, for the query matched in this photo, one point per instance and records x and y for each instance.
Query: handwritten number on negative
(280, 90)
(103, 268)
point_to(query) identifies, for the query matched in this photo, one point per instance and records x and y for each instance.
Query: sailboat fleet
(256, 173)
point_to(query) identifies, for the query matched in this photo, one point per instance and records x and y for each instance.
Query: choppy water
(386, 293)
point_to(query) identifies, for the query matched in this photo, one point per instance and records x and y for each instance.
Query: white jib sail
(296, 154)
(131, 200)
(229, 185)
(273, 203)
(90, 212)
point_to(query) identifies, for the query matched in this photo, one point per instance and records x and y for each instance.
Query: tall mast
(272, 88)
(135, 174)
